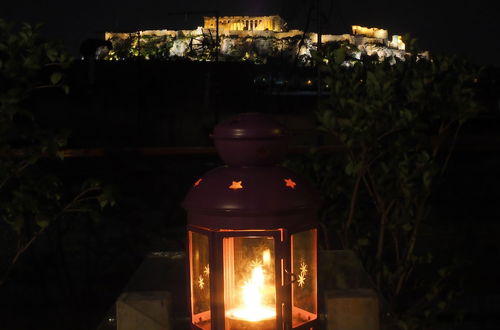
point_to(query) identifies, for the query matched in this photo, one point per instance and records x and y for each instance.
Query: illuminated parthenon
(246, 23)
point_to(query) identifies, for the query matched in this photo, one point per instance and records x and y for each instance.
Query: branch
(388, 133)
(381, 236)
(325, 235)
(423, 299)
(396, 246)
(368, 180)
(78, 198)
(411, 244)
(22, 248)
(354, 198)
(16, 172)
(452, 147)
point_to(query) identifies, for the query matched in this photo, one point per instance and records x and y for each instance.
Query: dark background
(73, 275)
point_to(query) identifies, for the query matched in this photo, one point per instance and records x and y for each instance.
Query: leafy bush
(32, 198)
(398, 125)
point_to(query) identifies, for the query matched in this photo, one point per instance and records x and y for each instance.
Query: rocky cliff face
(257, 46)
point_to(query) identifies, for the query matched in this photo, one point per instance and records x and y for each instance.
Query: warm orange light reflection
(266, 257)
(253, 294)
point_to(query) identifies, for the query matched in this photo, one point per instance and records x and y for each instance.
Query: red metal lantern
(252, 234)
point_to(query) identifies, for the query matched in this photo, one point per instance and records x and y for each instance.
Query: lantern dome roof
(251, 191)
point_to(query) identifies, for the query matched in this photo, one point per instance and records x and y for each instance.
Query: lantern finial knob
(250, 139)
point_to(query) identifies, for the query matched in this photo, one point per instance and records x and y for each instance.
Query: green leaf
(18, 224)
(385, 168)
(42, 221)
(407, 227)
(55, 78)
(349, 169)
(103, 203)
(363, 241)
(339, 55)
(372, 84)
(91, 184)
(51, 54)
(443, 272)
(427, 178)
(402, 325)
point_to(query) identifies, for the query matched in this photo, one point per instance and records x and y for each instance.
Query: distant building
(370, 32)
(246, 23)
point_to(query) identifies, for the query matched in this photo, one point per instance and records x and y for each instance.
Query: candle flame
(252, 308)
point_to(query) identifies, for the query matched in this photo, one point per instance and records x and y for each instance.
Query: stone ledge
(149, 310)
(348, 302)
(352, 309)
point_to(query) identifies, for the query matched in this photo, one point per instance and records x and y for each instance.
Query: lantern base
(301, 316)
(240, 318)
(251, 325)
(202, 320)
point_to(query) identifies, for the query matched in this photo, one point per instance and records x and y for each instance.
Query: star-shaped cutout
(290, 183)
(197, 183)
(201, 282)
(236, 185)
(301, 280)
(206, 271)
(255, 263)
(303, 268)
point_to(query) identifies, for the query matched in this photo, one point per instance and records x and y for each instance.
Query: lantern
(252, 234)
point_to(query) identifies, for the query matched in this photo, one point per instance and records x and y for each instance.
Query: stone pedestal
(352, 309)
(145, 304)
(144, 310)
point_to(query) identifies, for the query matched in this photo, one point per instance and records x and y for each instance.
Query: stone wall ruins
(245, 23)
(245, 38)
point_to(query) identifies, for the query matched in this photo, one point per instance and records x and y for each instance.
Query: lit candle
(252, 313)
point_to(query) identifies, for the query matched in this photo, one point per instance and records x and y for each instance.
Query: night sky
(470, 29)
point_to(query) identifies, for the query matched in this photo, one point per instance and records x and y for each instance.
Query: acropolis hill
(253, 38)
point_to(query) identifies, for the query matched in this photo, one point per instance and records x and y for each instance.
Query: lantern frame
(284, 277)
(251, 197)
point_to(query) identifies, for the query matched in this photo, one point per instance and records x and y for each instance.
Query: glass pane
(200, 279)
(304, 289)
(249, 283)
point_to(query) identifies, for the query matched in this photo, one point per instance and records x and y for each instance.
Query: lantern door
(304, 300)
(199, 270)
(252, 280)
